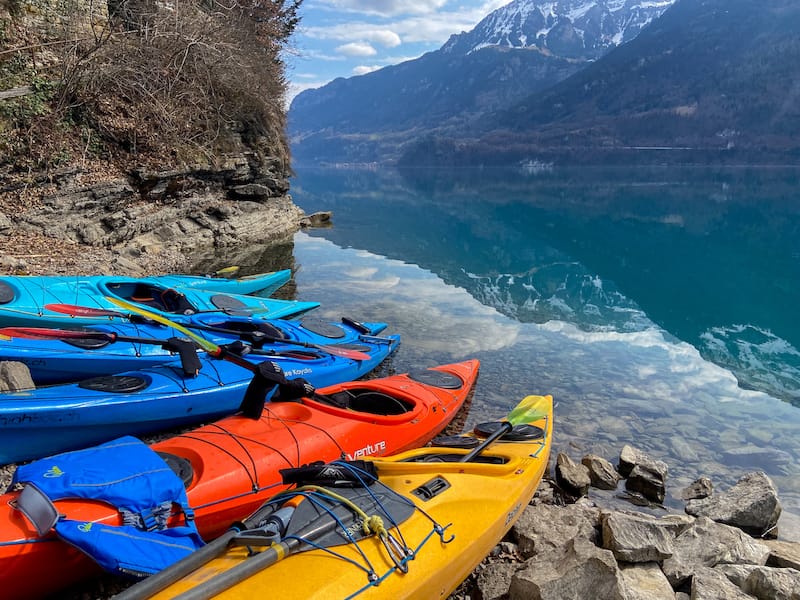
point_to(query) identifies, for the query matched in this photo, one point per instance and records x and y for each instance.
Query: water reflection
(631, 297)
(610, 387)
(712, 257)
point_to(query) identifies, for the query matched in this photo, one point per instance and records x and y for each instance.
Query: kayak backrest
(160, 298)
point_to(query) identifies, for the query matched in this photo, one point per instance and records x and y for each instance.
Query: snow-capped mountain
(517, 51)
(577, 29)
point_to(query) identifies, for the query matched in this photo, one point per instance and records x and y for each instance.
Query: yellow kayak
(418, 531)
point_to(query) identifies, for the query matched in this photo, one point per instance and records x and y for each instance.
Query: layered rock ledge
(144, 222)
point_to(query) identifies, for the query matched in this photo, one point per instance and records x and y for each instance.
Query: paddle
(209, 346)
(265, 373)
(531, 408)
(246, 311)
(39, 333)
(305, 525)
(83, 311)
(186, 349)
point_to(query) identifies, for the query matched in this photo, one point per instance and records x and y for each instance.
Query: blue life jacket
(130, 476)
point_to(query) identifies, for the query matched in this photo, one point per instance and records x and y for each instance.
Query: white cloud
(384, 37)
(356, 49)
(364, 69)
(434, 28)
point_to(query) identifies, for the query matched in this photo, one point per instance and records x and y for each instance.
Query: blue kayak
(56, 418)
(29, 300)
(129, 345)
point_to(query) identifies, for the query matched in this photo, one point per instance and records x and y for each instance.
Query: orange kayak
(231, 466)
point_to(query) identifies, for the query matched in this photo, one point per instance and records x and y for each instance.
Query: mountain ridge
(710, 81)
(453, 87)
(704, 81)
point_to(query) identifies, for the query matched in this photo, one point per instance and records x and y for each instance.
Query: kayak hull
(64, 360)
(264, 284)
(56, 418)
(475, 503)
(235, 464)
(24, 300)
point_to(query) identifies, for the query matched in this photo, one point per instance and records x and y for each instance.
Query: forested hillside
(139, 82)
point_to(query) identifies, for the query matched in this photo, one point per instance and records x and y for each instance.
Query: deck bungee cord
(231, 477)
(252, 472)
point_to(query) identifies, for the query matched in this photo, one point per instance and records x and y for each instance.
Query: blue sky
(342, 38)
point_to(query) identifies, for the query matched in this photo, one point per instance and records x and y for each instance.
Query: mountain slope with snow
(574, 29)
(520, 49)
(709, 82)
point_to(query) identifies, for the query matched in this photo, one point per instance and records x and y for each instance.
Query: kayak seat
(147, 295)
(167, 300)
(377, 403)
(174, 301)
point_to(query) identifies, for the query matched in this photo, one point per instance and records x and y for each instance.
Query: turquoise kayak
(111, 348)
(35, 300)
(264, 284)
(50, 419)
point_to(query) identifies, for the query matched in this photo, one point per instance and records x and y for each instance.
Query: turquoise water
(659, 307)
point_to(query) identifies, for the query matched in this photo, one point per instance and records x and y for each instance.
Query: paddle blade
(227, 270)
(531, 408)
(206, 345)
(344, 352)
(82, 311)
(39, 333)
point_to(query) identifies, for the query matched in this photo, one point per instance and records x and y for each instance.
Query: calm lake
(657, 306)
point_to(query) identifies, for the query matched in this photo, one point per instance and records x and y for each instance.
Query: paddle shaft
(219, 583)
(254, 564)
(69, 334)
(254, 335)
(496, 434)
(166, 577)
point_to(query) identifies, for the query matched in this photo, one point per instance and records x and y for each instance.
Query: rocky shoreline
(567, 546)
(83, 220)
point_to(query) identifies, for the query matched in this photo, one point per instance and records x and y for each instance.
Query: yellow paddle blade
(227, 270)
(531, 408)
(5, 337)
(206, 345)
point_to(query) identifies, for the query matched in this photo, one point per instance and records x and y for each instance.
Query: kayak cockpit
(160, 298)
